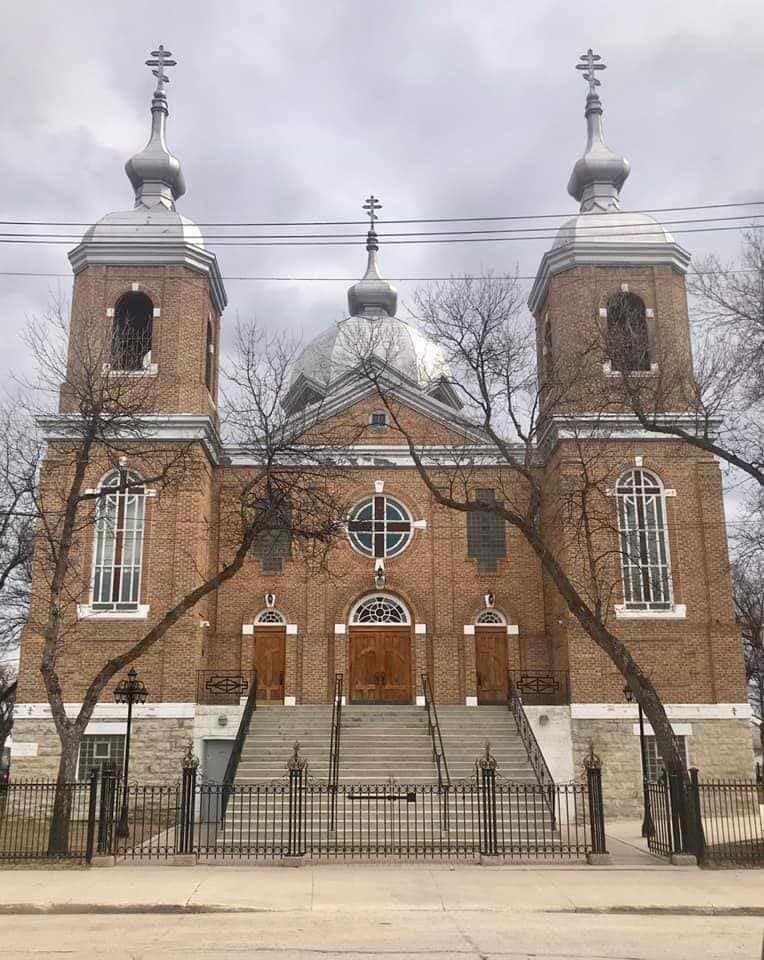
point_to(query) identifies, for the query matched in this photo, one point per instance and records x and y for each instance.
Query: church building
(420, 589)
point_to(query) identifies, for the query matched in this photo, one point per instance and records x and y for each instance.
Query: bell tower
(148, 296)
(609, 297)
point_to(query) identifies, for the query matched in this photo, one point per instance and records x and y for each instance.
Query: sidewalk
(382, 888)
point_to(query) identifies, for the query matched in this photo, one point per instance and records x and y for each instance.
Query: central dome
(337, 351)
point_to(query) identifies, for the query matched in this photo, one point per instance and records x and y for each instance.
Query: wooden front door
(380, 665)
(270, 652)
(491, 662)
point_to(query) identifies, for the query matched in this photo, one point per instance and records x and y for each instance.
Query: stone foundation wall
(720, 749)
(156, 749)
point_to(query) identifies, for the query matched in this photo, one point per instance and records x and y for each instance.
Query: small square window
(378, 420)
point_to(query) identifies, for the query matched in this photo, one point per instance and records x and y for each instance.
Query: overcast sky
(297, 110)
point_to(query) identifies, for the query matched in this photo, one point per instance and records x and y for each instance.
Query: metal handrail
(433, 727)
(238, 745)
(335, 736)
(531, 744)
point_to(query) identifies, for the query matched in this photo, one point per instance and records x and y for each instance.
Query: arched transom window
(380, 608)
(645, 560)
(380, 526)
(489, 618)
(270, 618)
(118, 552)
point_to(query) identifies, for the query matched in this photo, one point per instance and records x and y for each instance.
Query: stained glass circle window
(380, 527)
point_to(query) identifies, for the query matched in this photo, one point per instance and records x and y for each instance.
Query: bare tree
(102, 425)
(20, 456)
(7, 700)
(724, 406)
(748, 588)
(565, 516)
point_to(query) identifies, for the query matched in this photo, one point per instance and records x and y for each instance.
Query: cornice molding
(129, 253)
(596, 253)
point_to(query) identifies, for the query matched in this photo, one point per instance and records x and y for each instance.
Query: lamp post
(648, 828)
(129, 691)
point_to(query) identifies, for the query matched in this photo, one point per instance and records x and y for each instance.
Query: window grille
(486, 534)
(270, 617)
(378, 419)
(627, 332)
(100, 751)
(645, 561)
(380, 609)
(273, 539)
(118, 552)
(132, 332)
(489, 617)
(380, 527)
(655, 764)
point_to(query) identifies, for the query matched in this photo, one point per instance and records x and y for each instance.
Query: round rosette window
(380, 527)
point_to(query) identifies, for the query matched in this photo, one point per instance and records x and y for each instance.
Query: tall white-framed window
(118, 546)
(643, 540)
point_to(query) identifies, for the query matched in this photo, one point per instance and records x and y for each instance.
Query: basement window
(655, 764)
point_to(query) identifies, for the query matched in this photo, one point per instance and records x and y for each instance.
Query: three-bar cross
(161, 59)
(590, 65)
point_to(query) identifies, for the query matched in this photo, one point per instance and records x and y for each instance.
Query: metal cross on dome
(371, 206)
(161, 58)
(590, 65)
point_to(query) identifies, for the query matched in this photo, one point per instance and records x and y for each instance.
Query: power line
(354, 243)
(349, 223)
(454, 278)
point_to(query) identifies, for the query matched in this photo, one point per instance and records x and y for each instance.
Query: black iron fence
(541, 687)
(224, 686)
(301, 817)
(720, 822)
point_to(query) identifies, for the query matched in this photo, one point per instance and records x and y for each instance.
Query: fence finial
(296, 762)
(190, 761)
(488, 762)
(591, 761)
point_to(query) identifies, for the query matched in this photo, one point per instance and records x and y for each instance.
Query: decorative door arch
(380, 658)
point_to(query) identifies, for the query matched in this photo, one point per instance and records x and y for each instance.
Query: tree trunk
(60, 824)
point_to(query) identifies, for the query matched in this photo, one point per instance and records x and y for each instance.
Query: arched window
(627, 341)
(546, 350)
(490, 618)
(209, 361)
(118, 550)
(380, 608)
(270, 618)
(645, 560)
(131, 337)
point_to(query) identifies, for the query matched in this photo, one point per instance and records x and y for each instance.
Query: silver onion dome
(372, 296)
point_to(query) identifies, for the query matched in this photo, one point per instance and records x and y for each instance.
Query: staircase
(273, 732)
(466, 730)
(379, 742)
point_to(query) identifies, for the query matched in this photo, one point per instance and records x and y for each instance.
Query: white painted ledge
(674, 711)
(677, 612)
(86, 612)
(110, 711)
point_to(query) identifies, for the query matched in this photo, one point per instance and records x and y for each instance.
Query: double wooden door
(380, 665)
(269, 661)
(491, 663)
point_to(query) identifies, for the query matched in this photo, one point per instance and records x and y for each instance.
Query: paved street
(378, 911)
(425, 935)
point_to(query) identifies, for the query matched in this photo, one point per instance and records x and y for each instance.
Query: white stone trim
(607, 369)
(24, 748)
(379, 486)
(470, 701)
(115, 728)
(150, 371)
(290, 701)
(677, 612)
(85, 611)
(109, 312)
(679, 729)
(469, 629)
(420, 628)
(291, 629)
(420, 700)
(649, 313)
(675, 711)
(157, 313)
(513, 630)
(110, 711)
(248, 630)
(340, 629)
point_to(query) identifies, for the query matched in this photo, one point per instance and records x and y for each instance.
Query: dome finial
(155, 173)
(600, 173)
(372, 296)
